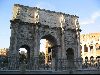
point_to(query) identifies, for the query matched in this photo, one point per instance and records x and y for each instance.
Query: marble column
(62, 41)
(78, 40)
(36, 48)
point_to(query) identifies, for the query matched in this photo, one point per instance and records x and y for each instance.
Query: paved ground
(53, 72)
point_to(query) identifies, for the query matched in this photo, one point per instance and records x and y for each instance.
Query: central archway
(50, 49)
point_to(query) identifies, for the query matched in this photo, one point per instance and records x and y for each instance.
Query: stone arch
(27, 54)
(29, 32)
(50, 37)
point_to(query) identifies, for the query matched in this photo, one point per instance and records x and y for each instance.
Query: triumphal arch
(31, 24)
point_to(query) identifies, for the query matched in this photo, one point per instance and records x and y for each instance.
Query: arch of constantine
(31, 24)
(62, 33)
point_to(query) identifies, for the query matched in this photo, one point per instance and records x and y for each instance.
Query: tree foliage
(41, 58)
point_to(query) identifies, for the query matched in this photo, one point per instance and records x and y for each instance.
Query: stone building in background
(90, 45)
(4, 55)
(31, 24)
(4, 51)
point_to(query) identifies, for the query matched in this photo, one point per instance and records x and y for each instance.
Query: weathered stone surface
(29, 25)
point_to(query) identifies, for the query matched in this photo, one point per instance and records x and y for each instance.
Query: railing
(62, 64)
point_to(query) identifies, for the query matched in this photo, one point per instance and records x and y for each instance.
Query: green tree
(22, 58)
(41, 58)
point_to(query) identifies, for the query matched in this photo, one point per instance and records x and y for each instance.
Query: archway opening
(70, 54)
(48, 45)
(70, 57)
(24, 53)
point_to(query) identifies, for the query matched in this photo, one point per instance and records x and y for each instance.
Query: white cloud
(92, 19)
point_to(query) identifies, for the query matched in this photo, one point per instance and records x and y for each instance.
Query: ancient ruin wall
(45, 17)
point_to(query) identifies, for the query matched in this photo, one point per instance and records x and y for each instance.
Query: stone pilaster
(36, 48)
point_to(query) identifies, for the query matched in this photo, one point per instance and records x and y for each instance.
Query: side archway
(70, 57)
(24, 53)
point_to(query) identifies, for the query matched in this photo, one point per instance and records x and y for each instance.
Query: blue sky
(87, 10)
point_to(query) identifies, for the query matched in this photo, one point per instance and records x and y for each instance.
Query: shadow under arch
(50, 38)
(53, 42)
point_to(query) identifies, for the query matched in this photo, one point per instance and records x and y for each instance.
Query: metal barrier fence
(62, 64)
